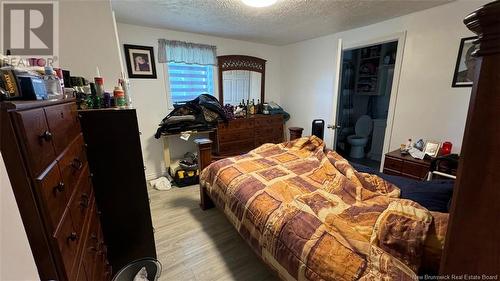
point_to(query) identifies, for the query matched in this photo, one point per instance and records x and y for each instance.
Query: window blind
(188, 81)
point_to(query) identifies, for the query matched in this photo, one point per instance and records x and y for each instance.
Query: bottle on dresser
(245, 111)
(252, 107)
(52, 84)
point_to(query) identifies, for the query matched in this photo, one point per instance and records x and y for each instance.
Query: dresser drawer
(269, 131)
(393, 164)
(79, 273)
(91, 244)
(232, 135)
(82, 275)
(54, 194)
(269, 139)
(67, 241)
(102, 270)
(37, 139)
(80, 201)
(73, 162)
(242, 123)
(391, 172)
(63, 124)
(236, 147)
(270, 120)
(414, 170)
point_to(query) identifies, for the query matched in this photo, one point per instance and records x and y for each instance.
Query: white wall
(16, 259)
(87, 39)
(427, 106)
(150, 95)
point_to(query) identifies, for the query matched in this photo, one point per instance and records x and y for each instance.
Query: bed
(311, 216)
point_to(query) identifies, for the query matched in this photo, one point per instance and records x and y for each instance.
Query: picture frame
(431, 148)
(464, 66)
(140, 61)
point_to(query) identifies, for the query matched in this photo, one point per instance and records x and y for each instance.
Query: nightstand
(404, 165)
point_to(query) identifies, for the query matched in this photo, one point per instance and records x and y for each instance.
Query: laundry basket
(127, 273)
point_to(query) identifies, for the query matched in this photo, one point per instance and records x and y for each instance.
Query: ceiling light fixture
(259, 3)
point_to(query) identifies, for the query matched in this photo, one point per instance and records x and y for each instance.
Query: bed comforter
(311, 216)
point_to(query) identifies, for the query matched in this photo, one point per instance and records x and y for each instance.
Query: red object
(446, 148)
(99, 80)
(59, 73)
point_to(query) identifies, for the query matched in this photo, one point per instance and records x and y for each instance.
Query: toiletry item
(99, 83)
(89, 100)
(95, 100)
(52, 84)
(119, 96)
(126, 90)
(265, 108)
(59, 74)
(409, 144)
(106, 100)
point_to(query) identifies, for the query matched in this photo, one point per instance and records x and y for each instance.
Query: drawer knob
(77, 164)
(47, 136)
(59, 187)
(84, 203)
(73, 236)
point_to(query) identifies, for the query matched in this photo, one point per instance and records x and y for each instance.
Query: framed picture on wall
(140, 61)
(465, 66)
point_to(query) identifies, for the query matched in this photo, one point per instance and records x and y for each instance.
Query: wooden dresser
(404, 165)
(241, 135)
(45, 157)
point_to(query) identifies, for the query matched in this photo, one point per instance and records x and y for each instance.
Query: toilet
(358, 141)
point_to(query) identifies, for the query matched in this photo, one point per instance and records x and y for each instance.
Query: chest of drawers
(404, 165)
(239, 136)
(45, 155)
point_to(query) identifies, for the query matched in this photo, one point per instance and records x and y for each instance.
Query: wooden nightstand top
(407, 157)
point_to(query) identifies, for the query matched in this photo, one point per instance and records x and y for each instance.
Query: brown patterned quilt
(311, 216)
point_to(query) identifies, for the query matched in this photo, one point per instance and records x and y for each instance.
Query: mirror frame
(241, 62)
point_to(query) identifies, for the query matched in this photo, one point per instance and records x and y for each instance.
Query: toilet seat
(362, 129)
(364, 126)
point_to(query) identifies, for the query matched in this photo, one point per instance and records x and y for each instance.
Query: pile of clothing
(202, 113)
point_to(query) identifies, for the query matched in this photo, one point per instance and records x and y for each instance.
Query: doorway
(364, 101)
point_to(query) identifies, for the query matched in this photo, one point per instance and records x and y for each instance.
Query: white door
(344, 45)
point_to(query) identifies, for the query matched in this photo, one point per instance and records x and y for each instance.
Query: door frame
(344, 45)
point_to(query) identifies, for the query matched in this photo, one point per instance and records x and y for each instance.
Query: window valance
(186, 52)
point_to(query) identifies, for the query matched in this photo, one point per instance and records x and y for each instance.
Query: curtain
(185, 52)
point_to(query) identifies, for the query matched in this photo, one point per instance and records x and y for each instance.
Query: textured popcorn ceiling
(287, 21)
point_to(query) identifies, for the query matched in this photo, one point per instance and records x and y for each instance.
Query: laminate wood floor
(200, 245)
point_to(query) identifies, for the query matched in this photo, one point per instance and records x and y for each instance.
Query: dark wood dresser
(404, 165)
(115, 159)
(45, 157)
(241, 135)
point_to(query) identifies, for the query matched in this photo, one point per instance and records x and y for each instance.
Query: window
(188, 81)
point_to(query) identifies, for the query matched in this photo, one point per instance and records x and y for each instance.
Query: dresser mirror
(241, 78)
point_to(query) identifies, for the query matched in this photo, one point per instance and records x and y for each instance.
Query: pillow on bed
(434, 195)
